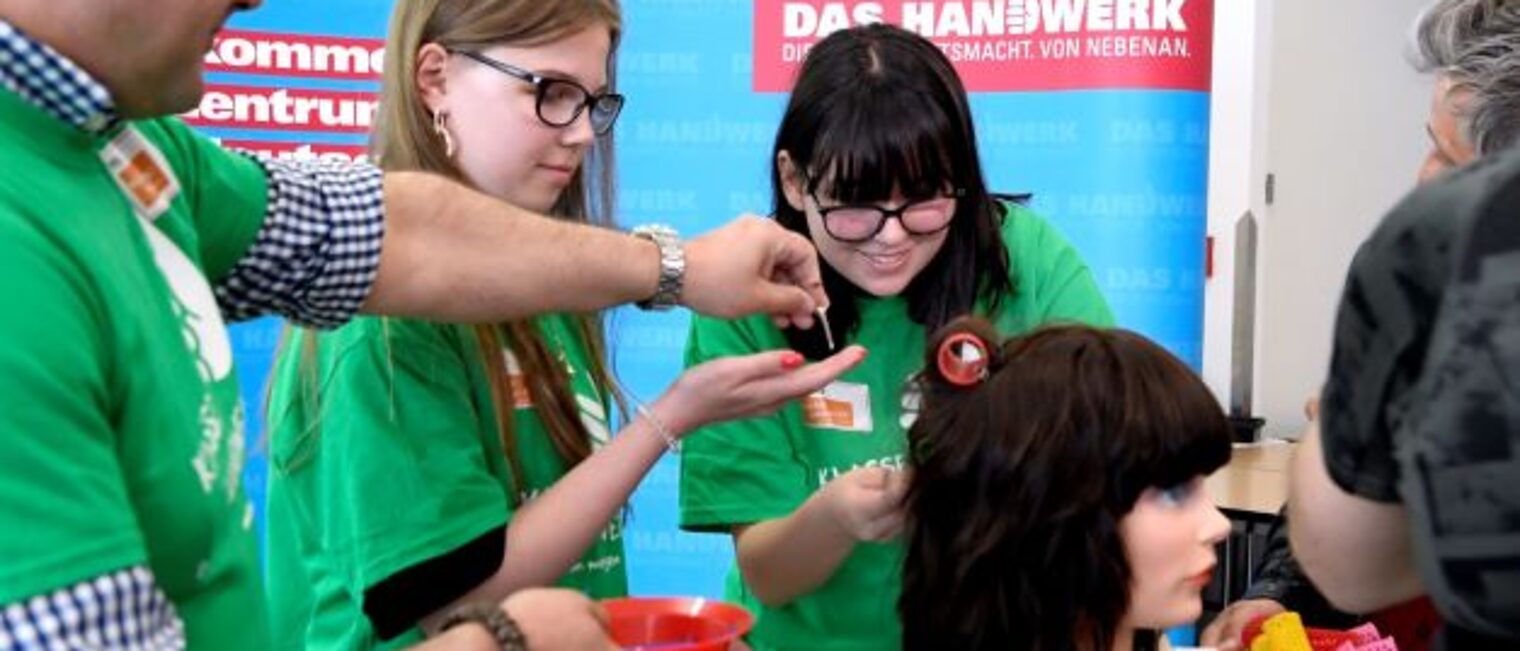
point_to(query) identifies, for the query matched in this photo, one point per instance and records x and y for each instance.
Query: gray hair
(1476, 45)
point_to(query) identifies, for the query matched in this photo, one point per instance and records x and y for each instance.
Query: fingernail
(791, 360)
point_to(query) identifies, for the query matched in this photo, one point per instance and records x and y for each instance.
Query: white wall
(1336, 114)
(1237, 162)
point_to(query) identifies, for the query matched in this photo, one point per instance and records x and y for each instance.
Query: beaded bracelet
(671, 443)
(501, 627)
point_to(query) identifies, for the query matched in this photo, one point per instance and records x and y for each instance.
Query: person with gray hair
(1472, 47)
(1407, 486)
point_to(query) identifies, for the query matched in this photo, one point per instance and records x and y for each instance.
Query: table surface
(1255, 482)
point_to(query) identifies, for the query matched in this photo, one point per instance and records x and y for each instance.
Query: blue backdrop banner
(1064, 104)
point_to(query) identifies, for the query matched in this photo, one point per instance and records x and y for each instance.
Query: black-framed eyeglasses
(559, 101)
(854, 224)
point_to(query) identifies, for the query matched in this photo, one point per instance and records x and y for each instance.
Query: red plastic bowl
(676, 623)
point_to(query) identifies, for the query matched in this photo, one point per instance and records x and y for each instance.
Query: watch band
(494, 619)
(672, 266)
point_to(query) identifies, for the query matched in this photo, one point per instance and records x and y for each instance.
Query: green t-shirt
(119, 412)
(398, 461)
(764, 468)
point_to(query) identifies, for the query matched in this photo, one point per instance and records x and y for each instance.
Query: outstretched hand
(754, 266)
(746, 386)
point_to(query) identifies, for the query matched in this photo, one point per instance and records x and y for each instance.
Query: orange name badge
(141, 172)
(843, 406)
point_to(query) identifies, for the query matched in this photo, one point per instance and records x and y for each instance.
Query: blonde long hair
(404, 140)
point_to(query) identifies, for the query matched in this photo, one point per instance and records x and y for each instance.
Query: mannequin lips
(1203, 578)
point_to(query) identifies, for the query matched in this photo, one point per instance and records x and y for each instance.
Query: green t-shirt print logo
(218, 456)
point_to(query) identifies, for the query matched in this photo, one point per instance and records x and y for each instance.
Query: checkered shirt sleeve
(316, 256)
(120, 611)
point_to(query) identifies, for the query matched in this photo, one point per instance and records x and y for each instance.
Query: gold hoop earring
(443, 133)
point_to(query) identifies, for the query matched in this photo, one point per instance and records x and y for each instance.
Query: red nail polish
(791, 360)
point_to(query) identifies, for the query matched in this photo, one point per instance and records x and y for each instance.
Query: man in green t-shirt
(125, 239)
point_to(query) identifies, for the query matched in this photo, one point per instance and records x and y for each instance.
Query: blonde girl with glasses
(420, 466)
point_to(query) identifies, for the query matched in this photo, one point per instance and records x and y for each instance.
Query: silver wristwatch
(672, 266)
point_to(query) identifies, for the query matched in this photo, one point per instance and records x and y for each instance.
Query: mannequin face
(1169, 538)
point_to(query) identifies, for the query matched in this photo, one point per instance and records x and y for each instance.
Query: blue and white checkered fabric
(317, 253)
(122, 611)
(53, 83)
